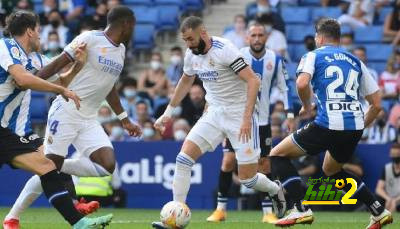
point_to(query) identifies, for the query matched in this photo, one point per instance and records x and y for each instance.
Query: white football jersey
(271, 70)
(96, 79)
(217, 69)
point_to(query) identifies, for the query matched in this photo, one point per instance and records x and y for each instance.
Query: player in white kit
(270, 68)
(231, 93)
(94, 84)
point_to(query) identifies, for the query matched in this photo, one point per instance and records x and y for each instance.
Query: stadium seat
(383, 13)
(378, 52)
(194, 5)
(377, 66)
(291, 68)
(369, 34)
(180, 3)
(144, 37)
(310, 2)
(296, 15)
(138, 2)
(147, 15)
(169, 17)
(318, 12)
(296, 52)
(296, 33)
(39, 107)
(251, 10)
(345, 29)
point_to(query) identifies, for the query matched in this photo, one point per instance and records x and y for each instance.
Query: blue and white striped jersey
(14, 103)
(339, 80)
(271, 70)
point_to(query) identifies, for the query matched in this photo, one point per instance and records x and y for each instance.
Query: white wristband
(123, 115)
(290, 115)
(168, 111)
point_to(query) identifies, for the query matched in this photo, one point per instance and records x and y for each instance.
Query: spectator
(276, 40)
(48, 6)
(309, 43)
(129, 96)
(153, 80)
(72, 10)
(354, 166)
(359, 14)
(99, 19)
(391, 27)
(53, 47)
(56, 24)
(388, 186)
(326, 3)
(112, 3)
(181, 129)
(142, 113)
(265, 10)
(175, 69)
(361, 53)
(24, 5)
(193, 108)
(389, 81)
(105, 114)
(307, 166)
(238, 35)
(149, 133)
(117, 133)
(394, 116)
(347, 41)
(381, 132)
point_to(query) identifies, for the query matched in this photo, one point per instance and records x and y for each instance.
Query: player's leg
(334, 159)
(264, 166)
(224, 182)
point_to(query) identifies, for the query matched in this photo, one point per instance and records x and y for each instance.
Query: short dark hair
(328, 27)
(265, 19)
(362, 48)
(191, 22)
(19, 21)
(120, 14)
(176, 49)
(53, 33)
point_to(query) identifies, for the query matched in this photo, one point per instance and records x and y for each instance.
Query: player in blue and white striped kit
(338, 80)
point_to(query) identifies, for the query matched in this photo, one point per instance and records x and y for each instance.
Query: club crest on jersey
(15, 52)
(269, 66)
(211, 62)
(103, 50)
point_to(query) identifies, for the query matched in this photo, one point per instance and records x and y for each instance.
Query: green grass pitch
(46, 218)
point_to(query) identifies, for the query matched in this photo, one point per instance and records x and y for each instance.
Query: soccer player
(339, 80)
(94, 83)
(231, 93)
(19, 146)
(270, 68)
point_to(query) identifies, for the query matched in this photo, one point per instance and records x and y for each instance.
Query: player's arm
(115, 104)
(181, 90)
(80, 60)
(305, 72)
(55, 66)
(253, 85)
(26, 80)
(370, 90)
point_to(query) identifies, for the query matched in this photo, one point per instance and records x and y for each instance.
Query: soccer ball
(175, 215)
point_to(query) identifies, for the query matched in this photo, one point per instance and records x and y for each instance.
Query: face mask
(117, 132)
(396, 160)
(263, 9)
(175, 59)
(53, 45)
(55, 23)
(177, 111)
(268, 29)
(129, 93)
(148, 132)
(155, 64)
(200, 49)
(381, 122)
(47, 9)
(180, 135)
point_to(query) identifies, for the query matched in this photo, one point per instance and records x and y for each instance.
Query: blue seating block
(378, 52)
(194, 5)
(144, 36)
(318, 12)
(296, 15)
(371, 34)
(169, 17)
(296, 33)
(138, 2)
(383, 13)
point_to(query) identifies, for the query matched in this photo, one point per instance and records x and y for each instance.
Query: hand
(161, 122)
(245, 130)
(133, 130)
(290, 124)
(81, 54)
(306, 110)
(67, 94)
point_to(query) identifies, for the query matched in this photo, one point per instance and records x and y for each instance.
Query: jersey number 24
(350, 88)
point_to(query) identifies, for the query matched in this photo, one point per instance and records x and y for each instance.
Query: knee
(109, 166)
(228, 163)
(45, 166)
(249, 181)
(328, 171)
(264, 165)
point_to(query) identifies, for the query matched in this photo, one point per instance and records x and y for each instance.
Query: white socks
(32, 190)
(83, 167)
(261, 183)
(183, 172)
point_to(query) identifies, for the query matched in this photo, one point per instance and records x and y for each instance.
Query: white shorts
(218, 123)
(64, 129)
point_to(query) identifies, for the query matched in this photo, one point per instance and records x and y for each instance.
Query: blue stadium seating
(138, 2)
(296, 15)
(180, 3)
(291, 68)
(296, 33)
(383, 13)
(228, 28)
(194, 5)
(345, 29)
(318, 12)
(377, 66)
(310, 2)
(39, 107)
(144, 37)
(368, 34)
(251, 10)
(297, 51)
(169, 17)
(378, 52)
(147, 15)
